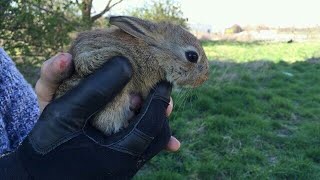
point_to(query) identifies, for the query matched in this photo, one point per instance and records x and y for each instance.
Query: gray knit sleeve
(19, 109)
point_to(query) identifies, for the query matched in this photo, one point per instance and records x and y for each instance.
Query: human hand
(58, 132)
(63, 144)
(60, 67)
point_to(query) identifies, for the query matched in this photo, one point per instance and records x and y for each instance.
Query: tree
(163, 10)
(40, 28)
(28, 28)
(86, 10)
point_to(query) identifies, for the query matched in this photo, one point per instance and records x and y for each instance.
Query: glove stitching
(46, 149)
(147, 139)
(124, 150)
(162, 99)
(142, 135)
(142, 116)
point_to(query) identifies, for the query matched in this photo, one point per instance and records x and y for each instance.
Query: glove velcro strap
(135, 143)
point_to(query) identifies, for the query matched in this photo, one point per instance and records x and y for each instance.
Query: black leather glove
(63, 145)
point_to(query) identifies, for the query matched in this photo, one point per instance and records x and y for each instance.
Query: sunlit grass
(275, 52)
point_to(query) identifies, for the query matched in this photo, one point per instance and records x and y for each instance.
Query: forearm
(18, 105)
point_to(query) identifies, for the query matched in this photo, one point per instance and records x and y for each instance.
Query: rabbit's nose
(200, 67)
(203, 69)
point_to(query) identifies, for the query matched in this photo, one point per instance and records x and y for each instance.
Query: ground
(257, 117)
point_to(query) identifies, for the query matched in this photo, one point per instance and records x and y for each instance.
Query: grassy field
(252, 120)
(254, 51)
(258, 116)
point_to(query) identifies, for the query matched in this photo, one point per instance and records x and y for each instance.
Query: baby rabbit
(157, 51)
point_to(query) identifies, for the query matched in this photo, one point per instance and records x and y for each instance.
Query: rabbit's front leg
(87, 62)
(115, 115)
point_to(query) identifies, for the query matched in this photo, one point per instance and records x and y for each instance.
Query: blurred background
(257, 117)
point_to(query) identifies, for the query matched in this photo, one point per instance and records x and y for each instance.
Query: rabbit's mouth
(191, 83)
(184, 78)
(200, 80)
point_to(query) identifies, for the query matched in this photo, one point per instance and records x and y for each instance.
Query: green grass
(258, 116)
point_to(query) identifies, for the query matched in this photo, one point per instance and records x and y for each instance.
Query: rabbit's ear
(136, 27)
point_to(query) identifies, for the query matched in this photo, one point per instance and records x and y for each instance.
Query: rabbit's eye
(192, 56)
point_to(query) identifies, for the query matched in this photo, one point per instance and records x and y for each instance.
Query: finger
(57, 68)
(160, 142)
(153, 112)
(173, 145)
(170, 107)
(53, 71)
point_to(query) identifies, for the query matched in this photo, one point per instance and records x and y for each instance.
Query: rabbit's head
(178, 52)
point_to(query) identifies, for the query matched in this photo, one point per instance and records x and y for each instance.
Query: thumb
(153, 113)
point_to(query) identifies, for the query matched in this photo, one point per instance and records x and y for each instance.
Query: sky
(220, 14)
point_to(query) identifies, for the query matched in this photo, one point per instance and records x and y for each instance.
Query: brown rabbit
(157, 51)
